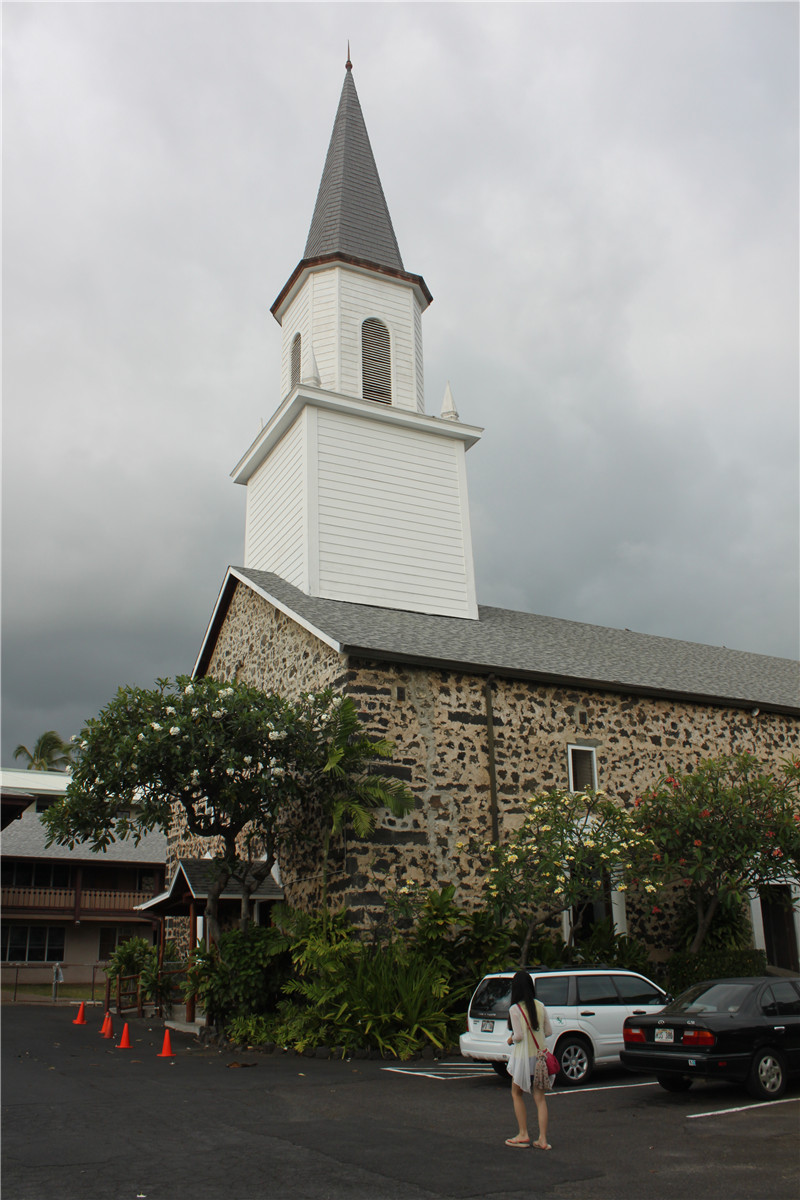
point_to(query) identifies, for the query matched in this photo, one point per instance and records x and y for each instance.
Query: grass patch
(66, 991)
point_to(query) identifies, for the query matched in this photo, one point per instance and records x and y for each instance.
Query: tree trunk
(526, 942)
(215, 890)
(704, 920)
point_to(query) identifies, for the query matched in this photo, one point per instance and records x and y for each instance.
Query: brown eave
(351, 261)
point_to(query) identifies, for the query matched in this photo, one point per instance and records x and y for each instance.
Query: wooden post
(78, 884)
(487, 693)
(190, 1001)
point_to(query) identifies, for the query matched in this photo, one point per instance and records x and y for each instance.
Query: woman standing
(530, 1026)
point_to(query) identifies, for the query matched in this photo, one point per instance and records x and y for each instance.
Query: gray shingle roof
(197, 874)
(547, 649)
(351, 215)
(26, 838)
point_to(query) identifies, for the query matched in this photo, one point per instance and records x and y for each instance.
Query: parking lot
(84, 1120)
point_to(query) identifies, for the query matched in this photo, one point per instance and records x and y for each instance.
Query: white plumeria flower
(188, 690)
(141, 737)
(155, 725)
(229, 771)
(174, 731)
(195, 712)
(217, 713)
(170, 710)
(248, 758)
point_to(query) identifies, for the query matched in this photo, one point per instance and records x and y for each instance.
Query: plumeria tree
(234, 765)
(562, 857)
(721, 830)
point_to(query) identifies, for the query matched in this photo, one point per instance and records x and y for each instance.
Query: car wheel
(767, 1078)
(501, 1069)
(674, 1083)
(575, 1057)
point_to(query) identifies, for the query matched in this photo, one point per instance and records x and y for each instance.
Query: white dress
(522, 1059)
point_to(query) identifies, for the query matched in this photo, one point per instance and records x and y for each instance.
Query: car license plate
(665, 1035)
(487, 1026)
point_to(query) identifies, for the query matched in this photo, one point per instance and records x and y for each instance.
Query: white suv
(586, 1007)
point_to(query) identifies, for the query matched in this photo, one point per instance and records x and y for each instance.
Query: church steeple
(351, 216)
(353, 493)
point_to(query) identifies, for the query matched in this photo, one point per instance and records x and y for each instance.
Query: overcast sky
(603, 200)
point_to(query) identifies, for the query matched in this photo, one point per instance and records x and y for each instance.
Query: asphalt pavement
(86, 1120)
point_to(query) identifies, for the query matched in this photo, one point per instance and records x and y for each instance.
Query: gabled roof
(351, 215)
(194, 877)
(528, 646)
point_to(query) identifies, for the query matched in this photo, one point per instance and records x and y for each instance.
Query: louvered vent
(295, 365)
(376, 363)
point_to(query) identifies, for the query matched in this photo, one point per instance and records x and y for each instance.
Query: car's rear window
(712, 998)
(492, 998)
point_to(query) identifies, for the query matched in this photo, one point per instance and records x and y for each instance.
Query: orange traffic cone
(108, 1027)
(81, 1017)
(125, 1040)
(166, 1051)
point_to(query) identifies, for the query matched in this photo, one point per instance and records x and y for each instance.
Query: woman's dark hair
(523, 992)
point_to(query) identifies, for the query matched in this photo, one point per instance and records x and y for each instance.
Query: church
(358, 574)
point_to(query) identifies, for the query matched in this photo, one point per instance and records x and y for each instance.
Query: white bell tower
(353, 493)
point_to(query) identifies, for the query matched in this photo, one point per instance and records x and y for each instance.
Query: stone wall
(438, 722)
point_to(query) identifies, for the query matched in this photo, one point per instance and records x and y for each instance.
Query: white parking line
(723, 1112)
(445, 1071)
(610, 1087)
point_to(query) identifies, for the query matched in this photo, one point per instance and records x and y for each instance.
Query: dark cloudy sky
(603, 200)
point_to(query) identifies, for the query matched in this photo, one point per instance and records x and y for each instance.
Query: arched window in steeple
(376, 361)
(295, 361)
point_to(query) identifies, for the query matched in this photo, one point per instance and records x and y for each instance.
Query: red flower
(682, 862)
(670, 779)
(656, 858)
(705, 813)
(656, 909)
(777, 852)
(770, 833)
(697, 842)
(637, 802)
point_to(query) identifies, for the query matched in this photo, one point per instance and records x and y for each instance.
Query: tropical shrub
(239, 976)
(130, 958)
(685, 968)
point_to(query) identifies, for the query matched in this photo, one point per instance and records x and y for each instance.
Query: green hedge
(684, 969)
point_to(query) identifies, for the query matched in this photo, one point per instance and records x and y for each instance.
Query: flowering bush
(562, 857)
(721, 830)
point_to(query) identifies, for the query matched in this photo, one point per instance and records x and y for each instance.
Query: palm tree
(50, 753)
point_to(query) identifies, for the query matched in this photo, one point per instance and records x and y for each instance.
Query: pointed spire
(449, 412)
(351, 215)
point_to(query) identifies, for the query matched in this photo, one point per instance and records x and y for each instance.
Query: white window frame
(584, 750)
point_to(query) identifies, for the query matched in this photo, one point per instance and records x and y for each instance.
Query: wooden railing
(63, 899)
